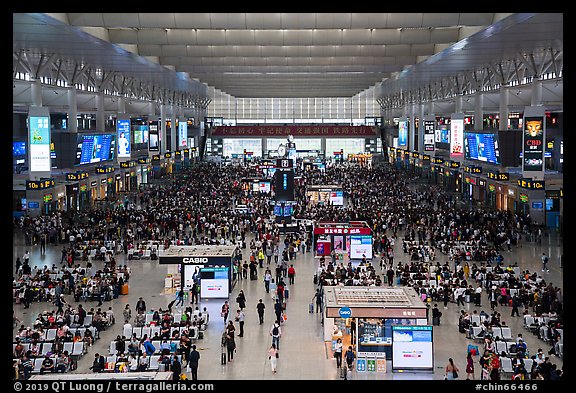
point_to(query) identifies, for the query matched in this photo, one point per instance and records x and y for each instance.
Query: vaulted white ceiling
(284, 54)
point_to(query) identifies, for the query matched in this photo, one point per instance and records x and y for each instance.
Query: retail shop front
(350, 241)
(365, 318)
(209, 266)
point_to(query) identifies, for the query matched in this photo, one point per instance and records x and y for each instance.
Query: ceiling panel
(157, 20)
(297, 21)
(86, 19)
(197, 20)
(211, 37)
(123, 36)
(440, 19)
(121, 19)
(404, 20)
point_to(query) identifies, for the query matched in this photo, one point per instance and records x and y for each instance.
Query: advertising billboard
(403, 132)
(533, 145)
(153, 141)
(123, 131)
(359, 246)
(412, 348)
(456, 138)
(39, 130)
(429, 135)
(182, 133)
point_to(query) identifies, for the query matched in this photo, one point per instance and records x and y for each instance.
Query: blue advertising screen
(18, 148)
(403, 133)
(94, 148)
(123, 129)
(481, 147)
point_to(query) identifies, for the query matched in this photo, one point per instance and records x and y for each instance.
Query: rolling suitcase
(286, 293)
(311, 308)
(223, 358)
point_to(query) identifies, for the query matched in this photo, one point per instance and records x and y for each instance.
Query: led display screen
(456, 138)
(153, 140)
(18, 148)
(403, 133)
(533, 157)
(94, 148)
(359, 246)
(429, 135)
(481, 147)
(39, 130)
(412, 347)
(284, 185)
(123, 131)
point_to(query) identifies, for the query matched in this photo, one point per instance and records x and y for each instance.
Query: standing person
(291, 274)
(278, 310)
(260, 308)
(544, 261)
(349, 356)
(241, 300)
(390, 276)
(240, 319)
(194, 293)
(276, 333)
(267, 278)
(179, 298)
(194, 358)
(478, 296)
(127, 312)
(43, 243)
(176, 368)
(469, 366)
(353, 331)
(451, 371)
(436, 314)
(273, 356)
(230, 343)
(515, 304)
(446, 296)
(318, 297)
(338, 353)
(141, 305)
(225, 310)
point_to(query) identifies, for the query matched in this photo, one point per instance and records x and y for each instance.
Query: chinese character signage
(456, 137)
(429, 135)
(296, 131)
(533, 145)
(182, 133)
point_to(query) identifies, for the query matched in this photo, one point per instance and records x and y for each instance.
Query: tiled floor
(303, 354)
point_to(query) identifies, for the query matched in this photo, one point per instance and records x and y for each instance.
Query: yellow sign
(39, 184)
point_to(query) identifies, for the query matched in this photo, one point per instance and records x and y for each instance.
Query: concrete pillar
(478, 111)
(430, 108)
(121, 105)
(323, 146)
(152, 109)
(536, 98)
(458, 103)
(503, 112)
(36, 91)
(100, 120)
(173, 130)
(72, 125)
(412, 128)
(162, 128)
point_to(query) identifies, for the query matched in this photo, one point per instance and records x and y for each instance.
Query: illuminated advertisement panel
(533, 145)
(123, 131)
(456, 138)
(429, 135)
(412, 348)
(403, 132)
(39, 129)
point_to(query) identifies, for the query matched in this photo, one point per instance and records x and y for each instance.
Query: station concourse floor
(303, 353)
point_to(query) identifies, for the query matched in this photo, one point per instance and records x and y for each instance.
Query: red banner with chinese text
(295, 130)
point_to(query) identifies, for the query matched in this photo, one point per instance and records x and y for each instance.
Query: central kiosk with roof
(378, 322)
(209, 266)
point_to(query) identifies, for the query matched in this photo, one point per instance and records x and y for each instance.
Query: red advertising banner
(296, 131)
(342, 231)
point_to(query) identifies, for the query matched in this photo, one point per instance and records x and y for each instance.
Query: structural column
(421, 110)
(173, 130)
(72, 125)
(412, 129)
(100, 120)
(503, 112)
(36, 91)
(121, 105)
(162, 128)
(458, 103)
(536, 98)
(478, 112)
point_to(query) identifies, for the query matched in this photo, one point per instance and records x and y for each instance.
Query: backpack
(275, 331)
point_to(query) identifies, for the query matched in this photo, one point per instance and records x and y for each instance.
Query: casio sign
(194, 260)
(345, 312)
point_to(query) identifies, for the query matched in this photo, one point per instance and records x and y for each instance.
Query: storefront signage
(47, 198)
(491, 187)
(110, 180)
(533, 145)
(554, 194)
(33, 205)
(94, 183)
(451, 164)
(193, 149)
(415, 155)
(504, 176)
(345, 312)
(104, 169)
(75, 176)
(39, 184)
(296, 131)
(192, 260)
(178, 154)
(531, 184)
(439, 161)
(60, 195)
(426, 157)
(342, 231)
(523, 198)
(118, 177)
(156, 157)
(83, 187)
(103, 181)
(168, 155)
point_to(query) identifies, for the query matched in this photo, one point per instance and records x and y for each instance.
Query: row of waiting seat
(539, 326)
(506, 365)
(73, 348)
(50, 334)
(504, 333)
(154, 363)
(174, 345)
(150, 331)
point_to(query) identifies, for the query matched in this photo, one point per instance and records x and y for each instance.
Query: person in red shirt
(291, 274)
